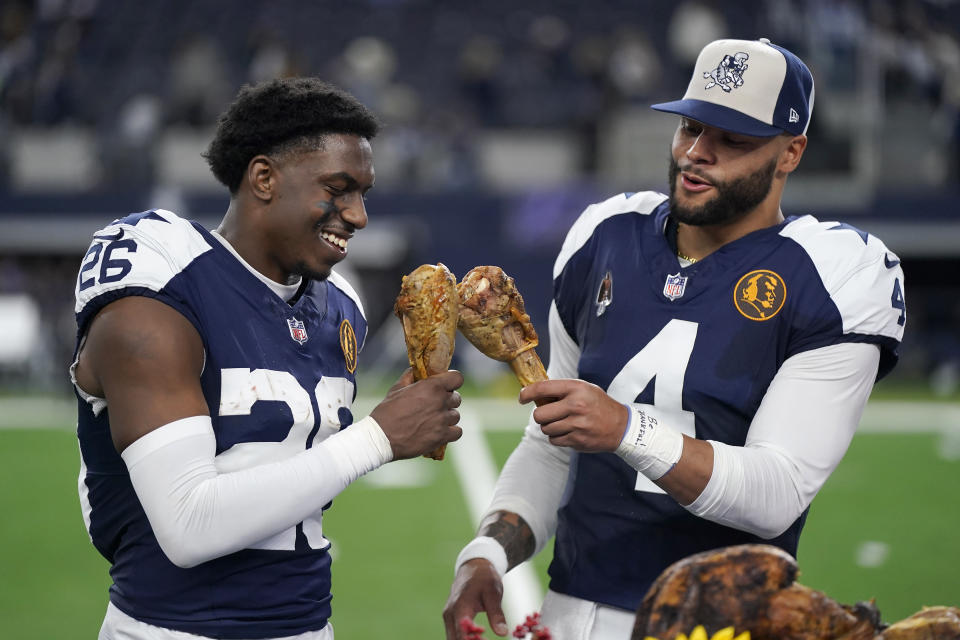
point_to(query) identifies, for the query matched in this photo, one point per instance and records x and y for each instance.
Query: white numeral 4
(665, 358)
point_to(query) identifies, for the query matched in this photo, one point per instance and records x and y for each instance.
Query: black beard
(734, 199)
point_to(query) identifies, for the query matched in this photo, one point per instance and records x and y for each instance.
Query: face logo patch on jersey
(760, 294)
(298, 330)
(348, 342)
(605, 294)
(675, 286)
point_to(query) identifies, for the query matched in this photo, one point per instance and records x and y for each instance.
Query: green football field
(885, 526)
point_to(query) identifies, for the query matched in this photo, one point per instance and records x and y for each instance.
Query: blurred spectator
(53, 93)
(479, 63)
(127, 148)
(784, 23)
(909, 71)
(944, 49)
(199, 84)
(837, 27)
(634, 65)
(692, 25)
(272, 58)
(366, 68)
(18, 51)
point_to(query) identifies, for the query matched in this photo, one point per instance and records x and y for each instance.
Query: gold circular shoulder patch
(760, 295)
(348, 342)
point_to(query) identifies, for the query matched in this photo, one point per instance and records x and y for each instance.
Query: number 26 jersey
(278, 377)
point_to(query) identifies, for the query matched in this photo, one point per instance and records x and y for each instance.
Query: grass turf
(394, 547)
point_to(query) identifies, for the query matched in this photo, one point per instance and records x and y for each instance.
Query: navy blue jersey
(277, 378)
(702, 343)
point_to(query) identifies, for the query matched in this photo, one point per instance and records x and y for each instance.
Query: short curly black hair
(279, 116)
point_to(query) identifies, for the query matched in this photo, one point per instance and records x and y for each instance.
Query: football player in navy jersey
(215, 373)
(710, 359)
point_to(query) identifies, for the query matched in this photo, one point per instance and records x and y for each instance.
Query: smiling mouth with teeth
(336, 241)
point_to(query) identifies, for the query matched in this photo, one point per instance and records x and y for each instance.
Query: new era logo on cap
(751, 87)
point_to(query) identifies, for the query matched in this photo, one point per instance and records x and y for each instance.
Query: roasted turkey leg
(930, 623)
(428, 306)
(493, 319)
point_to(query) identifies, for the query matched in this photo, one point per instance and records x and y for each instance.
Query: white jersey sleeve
(199, 513)
(797, 438)
(532, 481)
(863, 279)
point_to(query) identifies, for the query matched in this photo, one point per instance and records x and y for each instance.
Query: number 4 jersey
(277, 378)
(702, 343)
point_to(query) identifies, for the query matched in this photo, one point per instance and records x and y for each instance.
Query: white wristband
(487, 548)
(648, 445)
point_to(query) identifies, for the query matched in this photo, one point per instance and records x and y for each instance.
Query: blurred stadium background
(503, 120)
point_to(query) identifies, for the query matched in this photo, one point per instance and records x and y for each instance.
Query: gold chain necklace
(676, 240)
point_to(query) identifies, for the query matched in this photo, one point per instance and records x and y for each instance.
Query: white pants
(119, 626)
(570, 618)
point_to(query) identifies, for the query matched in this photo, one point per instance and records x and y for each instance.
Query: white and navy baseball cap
(751, 87)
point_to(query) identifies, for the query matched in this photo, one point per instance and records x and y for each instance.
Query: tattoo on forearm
(511, 531)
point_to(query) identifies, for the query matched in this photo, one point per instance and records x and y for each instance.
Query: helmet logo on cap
(728, 75)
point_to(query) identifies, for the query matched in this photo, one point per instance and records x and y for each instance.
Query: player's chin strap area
(199, 514)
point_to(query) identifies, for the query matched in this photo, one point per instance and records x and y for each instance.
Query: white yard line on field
(33, 412)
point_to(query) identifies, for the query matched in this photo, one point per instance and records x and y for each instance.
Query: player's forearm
(688, 478)
(797, 438)
(531, 484)
(199, 514)
(751, 489)
(522, 515)
(513, 534)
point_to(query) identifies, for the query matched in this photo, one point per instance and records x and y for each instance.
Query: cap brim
(720, 117)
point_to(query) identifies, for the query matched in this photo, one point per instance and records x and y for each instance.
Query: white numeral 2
(240, 389)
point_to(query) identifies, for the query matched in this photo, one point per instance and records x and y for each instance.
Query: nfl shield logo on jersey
(298, 330)
(675, 285)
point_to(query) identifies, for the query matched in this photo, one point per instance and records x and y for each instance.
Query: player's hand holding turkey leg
(420, 417)
(582, 416)
(577, 414)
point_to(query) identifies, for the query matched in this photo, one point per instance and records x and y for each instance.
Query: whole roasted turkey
(428, 307)
(753, 588)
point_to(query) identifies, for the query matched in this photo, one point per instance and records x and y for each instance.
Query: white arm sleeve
(198, 514)
(534, 477)
(798, 436)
